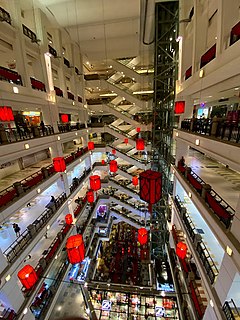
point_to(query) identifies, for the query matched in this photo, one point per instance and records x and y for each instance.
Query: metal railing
(5, 16)
(215, 202)
(217, 128)
(230, 310)
(16, 248)
(10, 76)
(29, 33)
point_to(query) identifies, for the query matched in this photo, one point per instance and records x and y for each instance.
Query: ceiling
(105, 29)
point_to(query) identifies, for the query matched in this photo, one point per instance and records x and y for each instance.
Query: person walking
(17, 229)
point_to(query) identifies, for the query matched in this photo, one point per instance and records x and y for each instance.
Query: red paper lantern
(69, 219)
(126, 140)
(140, 144)
(90, 196)
(75, 249)
(95, 182)
(113, 151)
(103, 161)
(64, 118)
(6, 114)
(179, 107)
(90, 145)
(113, 166)
(181, 250)
(138, 129)
(142, 236)
(59, 164)
(28, 277)
(150, 186)
(135, 181)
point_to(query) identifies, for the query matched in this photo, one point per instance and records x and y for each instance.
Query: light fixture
(48, 227)
(177, 134)
(15, 90)
(189, 195)
(76, 133)
(211, 303)
(229, 251)
(56, 257)
(197, 142)
(58, 138)
(143, 92)
(8, 277)
(26, 146)
(73, 103)
(38, 190)
(201, 73)
(25, 311)
(108, 95)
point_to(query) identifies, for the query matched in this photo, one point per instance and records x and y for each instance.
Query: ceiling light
(189, 195)
(229, 251)
(73, 103)
(15, 89)
(177, 134)
(236, 88)
(58, 138)
(26, 146)
(8, 277)
(25, 311)
(38, 190)
(110, 66)
(201, 73)
(197, 142)
(76, 133)
(108, 95)
(211, 303)
(143, 92)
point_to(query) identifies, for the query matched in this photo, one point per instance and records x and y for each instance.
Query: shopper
(52, 199)
(17, 229)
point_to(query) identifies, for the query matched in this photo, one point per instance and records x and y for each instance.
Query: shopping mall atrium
(119, 159)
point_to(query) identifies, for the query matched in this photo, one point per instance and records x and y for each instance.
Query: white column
(11, 294)
(3, 262)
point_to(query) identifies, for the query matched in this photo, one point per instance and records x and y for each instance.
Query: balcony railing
(18, 189)
(220, 207)
(70, 95)
(29, 33)
(58, 92)
(208, 56)
(52, 51)
(5, 16)
(20, 133)
(217, 128)
(231, 311)
(37, 84)
(66, 62)
(16, 248)
(10, 76)
(188, 73)
(235, 34)
(70, 127)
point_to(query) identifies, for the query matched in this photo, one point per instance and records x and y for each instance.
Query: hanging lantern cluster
(138, 130)
(135, 181)
(90, 196)
(142, 236)
(103, 161)
(75, 248)
(150, 187)
(113, 151)
(59, 164)
(28, 277)
(69, 219)
(113, 166)
(126, 141)
(181, 250)
(140, 144)
(90, 145)
(95, 182)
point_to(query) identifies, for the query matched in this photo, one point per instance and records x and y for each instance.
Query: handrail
(10, 76)
(130, 156)
(217, 128)
(204, 255)
(219, 206)
(5, 16)
(230, 310)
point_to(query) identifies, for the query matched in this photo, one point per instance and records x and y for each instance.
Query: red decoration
(181, 250)
(113, 166)
(64, 118)
(113, 151)
(135, 181)
(59, 164)
(103, 161)
(90, 145)
(126, 140)
(142, 236)
(95, 182)
(90, 196)
(69, 219)
(179, 107)
(138, 129)
(27, 276)
(150, 186)
(75, 248)
(6, 114)
(140, 144)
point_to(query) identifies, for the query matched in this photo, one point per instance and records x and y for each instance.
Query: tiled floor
(224, 181)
